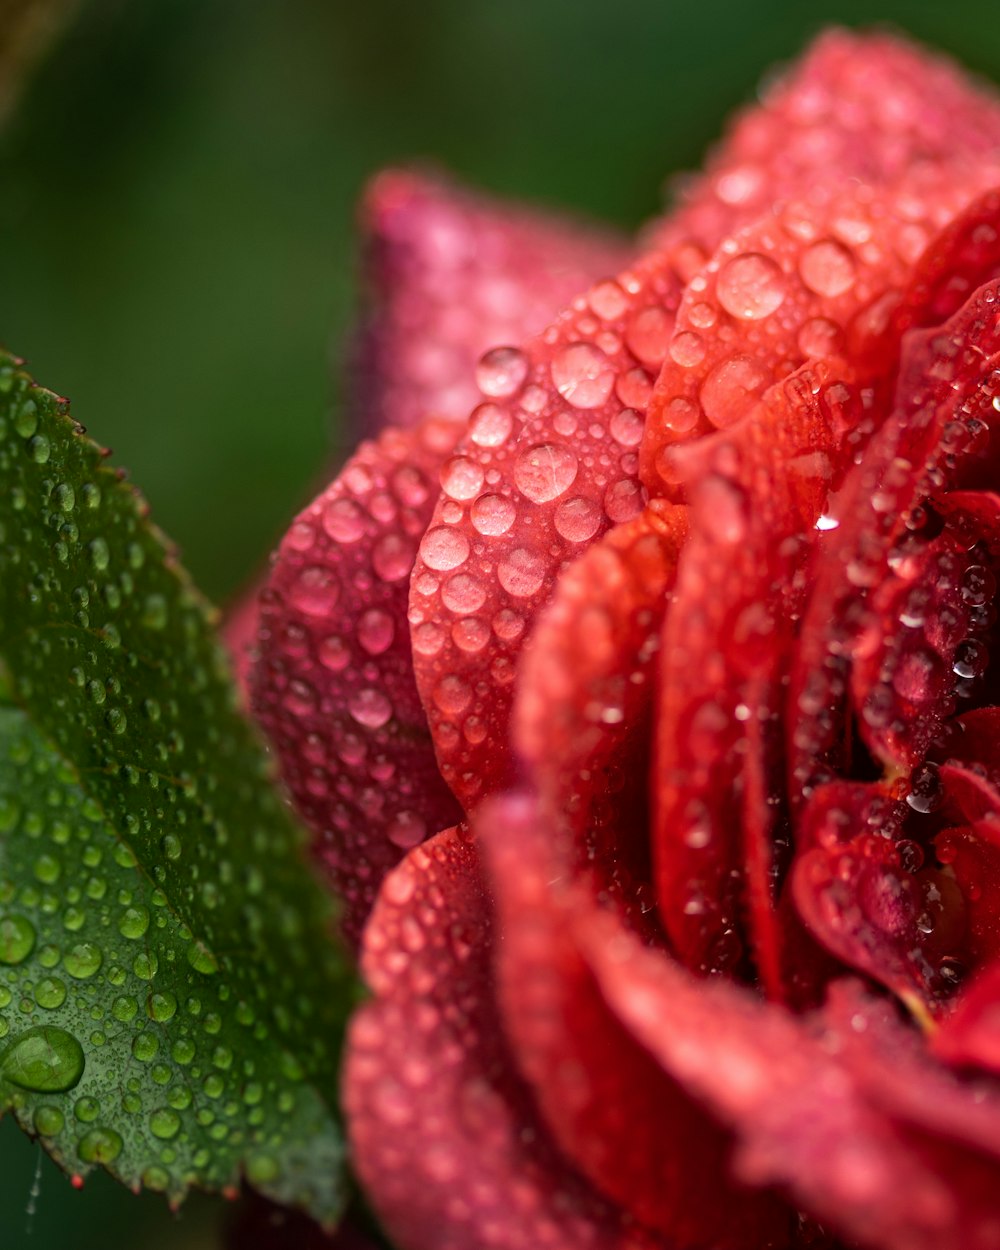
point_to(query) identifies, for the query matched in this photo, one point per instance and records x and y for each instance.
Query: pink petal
(451, 273)
(334, 687)
(445, 1136)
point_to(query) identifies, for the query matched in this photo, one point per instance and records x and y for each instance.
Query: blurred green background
(176, 214)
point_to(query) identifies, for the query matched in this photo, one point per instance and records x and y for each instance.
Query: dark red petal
(585, 693)
(972, 857)
(445, 1137)
(864, 107)
(450, 274)
(856, 894)
(633, 1131)
(334, 687)
(757, 493)
(548, 463)
(905, 1162)
(970, 1036)
(803, 282)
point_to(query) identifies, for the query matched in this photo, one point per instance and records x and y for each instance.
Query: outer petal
(639, 1136)
(548, 463)
(450, 274)
(334, 686)
(864, 107)
(757, 492)
(445, 1136)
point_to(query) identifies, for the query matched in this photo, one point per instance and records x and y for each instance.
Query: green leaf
(170, 999)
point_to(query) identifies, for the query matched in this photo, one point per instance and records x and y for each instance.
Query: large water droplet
(583, 375)
(751, 286)
(490, 425)
(461, 478)
(493, 515)
(827, 268)
(501, 372)
(730, 389)
(315, 591)
(370, 708)
(577, 520)
(46, 1059)
(17, 939)
(542, 473)
(522, 572)
(444, 548)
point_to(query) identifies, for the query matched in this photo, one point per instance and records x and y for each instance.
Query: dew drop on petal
(577, 520)
(626, 427)
(315, 591)
(687, 349)
(827, 268)
(648, 335)
(544, 472)
(521, 572)
(490, 425)
(370, 708)
(444, 548)
(376, 629)
(730, 389)
(751, 286)
(582, 375)
(463, 593)
(493, 515)
(501, 372)
(461, 478)
(406, 829)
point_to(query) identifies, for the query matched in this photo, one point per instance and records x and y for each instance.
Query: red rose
(696, 642)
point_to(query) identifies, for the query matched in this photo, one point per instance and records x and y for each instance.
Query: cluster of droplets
(134, 919)
(810, 282)
(548, 462)
(334, 685)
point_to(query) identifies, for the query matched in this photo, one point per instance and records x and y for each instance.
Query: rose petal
(972, 857)
(853, 1143)
(444, 1134)
(543, 470)
(239, 633)
(334, 687)
(583, 713)
(757, 493)
(864, 107)
(451, 273)
(634, 1132)
(970, 1036)
(805, 281)
(944, 404)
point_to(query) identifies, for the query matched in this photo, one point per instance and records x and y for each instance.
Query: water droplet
(751, 286)
(49, 1121)
(501, 372)
(133, 922)
(577, 520)
(463, 594)
(406, 829)
(544, 472)
(100, 1145)
(145, 965)
(343, 520)
(820, 337)
(827, 268)
(370, 707)
(730, 389)
(687, 349)
(17, 939)
(521, 572)
(161, 1006)
(490, 425)
(461, 478)
(648, 335)
(493, 515)
(82, 960)
(50, 993)
(26, 419)
(46, 1059)
(376, 630)
(315, 591)
(582, 375)
(444, 548)
(164, 1123)
(100, 556)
